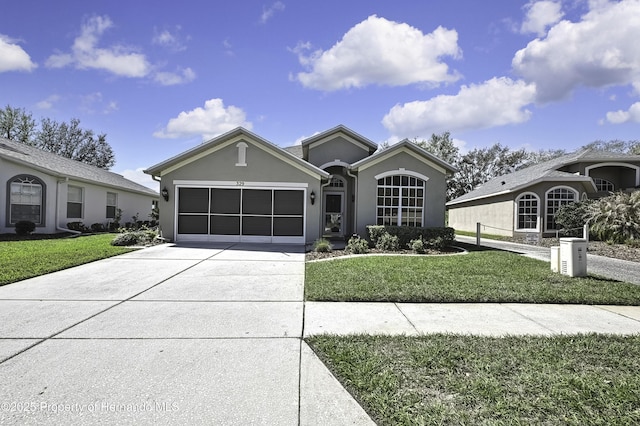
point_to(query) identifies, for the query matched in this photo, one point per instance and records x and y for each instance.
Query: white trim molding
(517, 212)
(614, 164)
(401, 171)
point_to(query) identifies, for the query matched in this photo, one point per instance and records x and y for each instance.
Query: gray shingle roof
(541, 172)
(63, 167)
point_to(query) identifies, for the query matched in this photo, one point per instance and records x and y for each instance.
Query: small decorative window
(527, 213)
(112, 205)
(337, 182)
(26, 200)
(242, 154)
(74, 202)
(603, 185)
(400, 201)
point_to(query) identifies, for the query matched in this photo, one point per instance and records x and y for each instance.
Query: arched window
(400, 200)
(603, 185)
(337, 182)
(528, 208)
(556, 198)
(25, 199)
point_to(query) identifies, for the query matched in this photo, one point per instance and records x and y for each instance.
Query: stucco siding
(55, 200)
(336, 149)
(261, 167)
(497, 217)
(435, 190)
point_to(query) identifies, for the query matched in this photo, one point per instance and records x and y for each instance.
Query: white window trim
(546, 202)
(403, 172)
(76, 202)
(517, 212)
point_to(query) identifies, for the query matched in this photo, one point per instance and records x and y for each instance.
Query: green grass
(479, 277)
(465, 380)
(482, 235)
(20, 260)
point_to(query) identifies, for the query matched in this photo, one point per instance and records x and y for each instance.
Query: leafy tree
(441, 146)
(66, 139)
(573, 216)
(17, 124)
(615, 145)
(483, 164)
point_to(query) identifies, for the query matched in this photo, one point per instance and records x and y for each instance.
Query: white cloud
(598, 51)
(183, 76)
(496, 102)
(212, 120)
(379, 51)
(268, 12)
(48, 102)
(85, 53)
(13, 57)
(172, 41)
(138, 176)
(620, 116)
(541, 15)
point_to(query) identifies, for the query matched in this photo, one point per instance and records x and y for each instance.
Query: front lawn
(20, 260)
(469, 380)
(479, 277)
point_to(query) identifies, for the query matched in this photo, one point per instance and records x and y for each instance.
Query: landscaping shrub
(125, 239)
(406, 234)
(573, 216)
(25, 227)
(322, 246)
(387, 242)
(418, 246)
(616, 218)
(77, 226)
(357, 245)
(98, 227)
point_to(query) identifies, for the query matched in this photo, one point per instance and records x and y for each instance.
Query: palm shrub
(616, 218)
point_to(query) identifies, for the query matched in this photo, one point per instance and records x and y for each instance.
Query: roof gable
(59, 166)
(410, 148)
(343, 131)
(234, 136)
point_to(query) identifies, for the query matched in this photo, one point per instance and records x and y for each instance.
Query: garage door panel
(256, 201)
(256, 225)
(225, 225)
(288, 226)
(225, 201)
(193, 200)
(288, 202)
(192, 224)
(241, 214)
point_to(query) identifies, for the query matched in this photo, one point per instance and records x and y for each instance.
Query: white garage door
(241, 214)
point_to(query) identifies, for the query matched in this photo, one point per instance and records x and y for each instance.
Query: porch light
(165, 193)
(313, 197)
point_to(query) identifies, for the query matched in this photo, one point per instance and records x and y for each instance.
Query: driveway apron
(172, 334)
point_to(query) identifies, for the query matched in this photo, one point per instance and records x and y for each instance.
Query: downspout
(160, 236)
(58, 227)
(355, 199)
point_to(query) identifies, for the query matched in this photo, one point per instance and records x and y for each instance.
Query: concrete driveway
(171, 334)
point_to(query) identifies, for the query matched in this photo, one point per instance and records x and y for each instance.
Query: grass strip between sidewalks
(457, 380)
(20, 260)
(478, 277)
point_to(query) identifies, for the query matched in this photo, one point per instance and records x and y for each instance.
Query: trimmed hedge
(406, 234)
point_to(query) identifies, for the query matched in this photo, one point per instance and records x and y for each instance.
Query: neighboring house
(240, 187)
(526, 201)
(51, 191)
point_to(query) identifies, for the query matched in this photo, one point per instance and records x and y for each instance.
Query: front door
(333, 213)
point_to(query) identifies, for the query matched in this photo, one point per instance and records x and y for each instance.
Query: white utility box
(555, 259)
(573, 257)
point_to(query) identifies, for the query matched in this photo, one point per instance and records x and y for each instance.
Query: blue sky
(159, 78)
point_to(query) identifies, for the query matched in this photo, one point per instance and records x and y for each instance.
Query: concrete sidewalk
(485, 319)
(172, 334)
